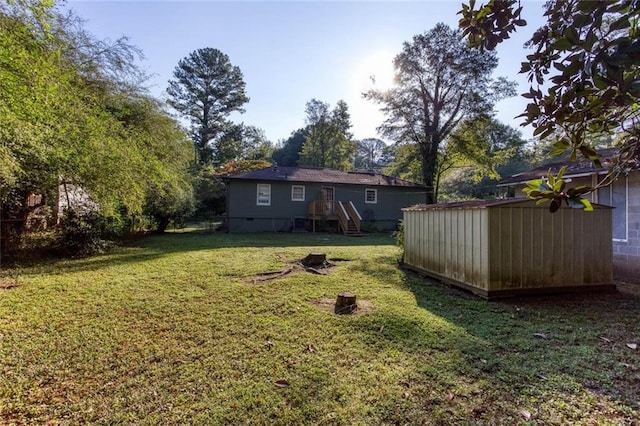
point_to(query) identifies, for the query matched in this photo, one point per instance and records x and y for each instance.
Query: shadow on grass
(543, 345)
(156, 246)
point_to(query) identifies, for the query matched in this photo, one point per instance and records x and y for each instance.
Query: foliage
(241, 166)
(588, 56)
(172, 329)
(74, 111)
(554, 190)
(369, 154)
(288, 153)
(86, 232)
(440, 82)
(239, 141)
(405, 163)
(209, 192)
(328, 143)
(206, 88)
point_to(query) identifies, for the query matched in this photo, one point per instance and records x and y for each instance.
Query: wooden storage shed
(500, 248)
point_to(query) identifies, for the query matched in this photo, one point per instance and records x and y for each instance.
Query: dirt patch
(327, 304)
(323, 268)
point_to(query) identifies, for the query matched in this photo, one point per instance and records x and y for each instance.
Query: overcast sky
(291, 52)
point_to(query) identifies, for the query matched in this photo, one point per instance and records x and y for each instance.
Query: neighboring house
(623, 194)
(298, 198)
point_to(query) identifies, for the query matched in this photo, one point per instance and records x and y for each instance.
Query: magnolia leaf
(540, 335)
(587, 205)
(282, 383)
(633, 346)
(604, 339)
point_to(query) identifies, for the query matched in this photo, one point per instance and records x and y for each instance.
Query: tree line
(75, 115)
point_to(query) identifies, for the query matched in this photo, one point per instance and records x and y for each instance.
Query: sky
(291, 52)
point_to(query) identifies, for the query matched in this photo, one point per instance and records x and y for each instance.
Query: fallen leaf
(633, 346)
(451, 396)
(484, 361)
(526, 414)
(311, 348)
(381, 329)
(541, 376)
(282, 383)
(604, 339)
(540, 335)
(268, 344)
(406, 395)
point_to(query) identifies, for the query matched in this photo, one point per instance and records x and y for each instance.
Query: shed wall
(532, 248)
(512, 248)
(449, 243)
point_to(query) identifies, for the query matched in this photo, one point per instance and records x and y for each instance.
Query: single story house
(623, 195)
(281, 199)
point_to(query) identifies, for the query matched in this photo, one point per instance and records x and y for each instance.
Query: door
(327, 200)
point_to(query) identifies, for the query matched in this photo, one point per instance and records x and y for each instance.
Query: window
(297, 192)
(615, 195)
(264, 194)
(371, 196)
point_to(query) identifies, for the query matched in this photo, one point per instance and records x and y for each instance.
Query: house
(301, 198)
(623, 195)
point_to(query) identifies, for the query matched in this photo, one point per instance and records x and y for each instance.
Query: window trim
(268, 201)
(375, 196)
(303, 193)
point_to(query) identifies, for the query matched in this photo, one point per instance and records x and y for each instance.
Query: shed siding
(434, 243)
(531, 248)
(510, 248)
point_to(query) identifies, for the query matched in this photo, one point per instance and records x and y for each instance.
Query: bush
(82, 233)
(399, 235)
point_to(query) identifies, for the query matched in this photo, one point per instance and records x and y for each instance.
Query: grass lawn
(174, 329)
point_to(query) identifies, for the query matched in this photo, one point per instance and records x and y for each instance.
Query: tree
(478, 154)
(239, 141)
(206, 89)
(289, 151)
(328, 143)
(440, 82)
(73, 112)
(369, 153)
(588, 55)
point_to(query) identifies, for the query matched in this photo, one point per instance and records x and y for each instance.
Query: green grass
(173, 330)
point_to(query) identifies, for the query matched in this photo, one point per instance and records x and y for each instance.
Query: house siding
(626, 254)
(244, 215)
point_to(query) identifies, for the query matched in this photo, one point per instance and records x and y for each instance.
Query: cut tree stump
(314, 260)
(346, 303)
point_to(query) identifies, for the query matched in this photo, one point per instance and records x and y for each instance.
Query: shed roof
(476, 204)
(320, 175)
(483, 204)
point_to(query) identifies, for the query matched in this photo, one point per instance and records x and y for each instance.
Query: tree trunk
(345, 303)
(314, 259)
(429, 161)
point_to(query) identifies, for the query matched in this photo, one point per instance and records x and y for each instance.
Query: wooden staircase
(349, 219)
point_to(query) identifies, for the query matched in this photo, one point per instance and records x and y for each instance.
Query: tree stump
(346, 303)
(314, 260)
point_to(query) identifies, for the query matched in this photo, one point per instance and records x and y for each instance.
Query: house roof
(476, 204)
(483, 204)
(319, 175)
(582, 167)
